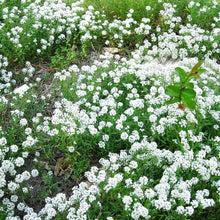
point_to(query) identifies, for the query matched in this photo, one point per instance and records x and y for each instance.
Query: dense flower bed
(154, 160)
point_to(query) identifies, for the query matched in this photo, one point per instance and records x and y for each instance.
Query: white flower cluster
(10, 167)
(102, 104)
(5, 76)
(61, 22)
(170, 161)
(82, 196)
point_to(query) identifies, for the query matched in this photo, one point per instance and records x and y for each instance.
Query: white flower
(112, 182)
(28, 131)
(133, 164)
(143, 180)
(26, 175)
(3, 141)
(112, 112)
(21, 90)
(19, 178)
(1, 193)
(14, 148)
(105, 137)
(12, 186)
(129, 111)
(127, 169)
(160, 129)
(34, 172)
(216, 127)
(180, 210)
(149, 193)
(124, 135)
(2, 177)
(21, 206)
(119, 126)
(25, 154)
(101, 144)
(152, 118)
(19, 161)
(92, 130)
(51, 212)
(14, 198)
(132, 138)
(7, 166)
(127, 200)
(195, 204)
(23, 122)
(140, 211)
(189, 210)
(90, 7)
(71, 149)
(25, 189)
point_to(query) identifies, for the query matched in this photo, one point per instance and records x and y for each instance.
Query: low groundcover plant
(89, 134)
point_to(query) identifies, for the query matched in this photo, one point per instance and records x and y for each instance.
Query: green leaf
(181, 73)
(189, 103)
(188, 93)
(172, 91)
(178, 84)
(189, 85)
(191, 77)
(196, 67)
(171, 101)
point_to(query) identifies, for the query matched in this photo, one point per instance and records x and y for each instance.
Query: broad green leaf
(191, 77)
(189, 103)
(173, 91)
(188, 93)
(178, 84)
(173, 100)
(196, 67)
(181, 73)
(189, 85)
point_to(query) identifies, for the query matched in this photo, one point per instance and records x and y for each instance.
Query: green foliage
(87, 146)
(51, 186)
(119, 8)
(173, 91)
(3, 213)
(64, 56)
(33, 43)
(183, 92)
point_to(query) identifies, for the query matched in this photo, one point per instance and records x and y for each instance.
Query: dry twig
(47, 70)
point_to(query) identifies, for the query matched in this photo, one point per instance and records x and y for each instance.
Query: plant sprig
(183, 91)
